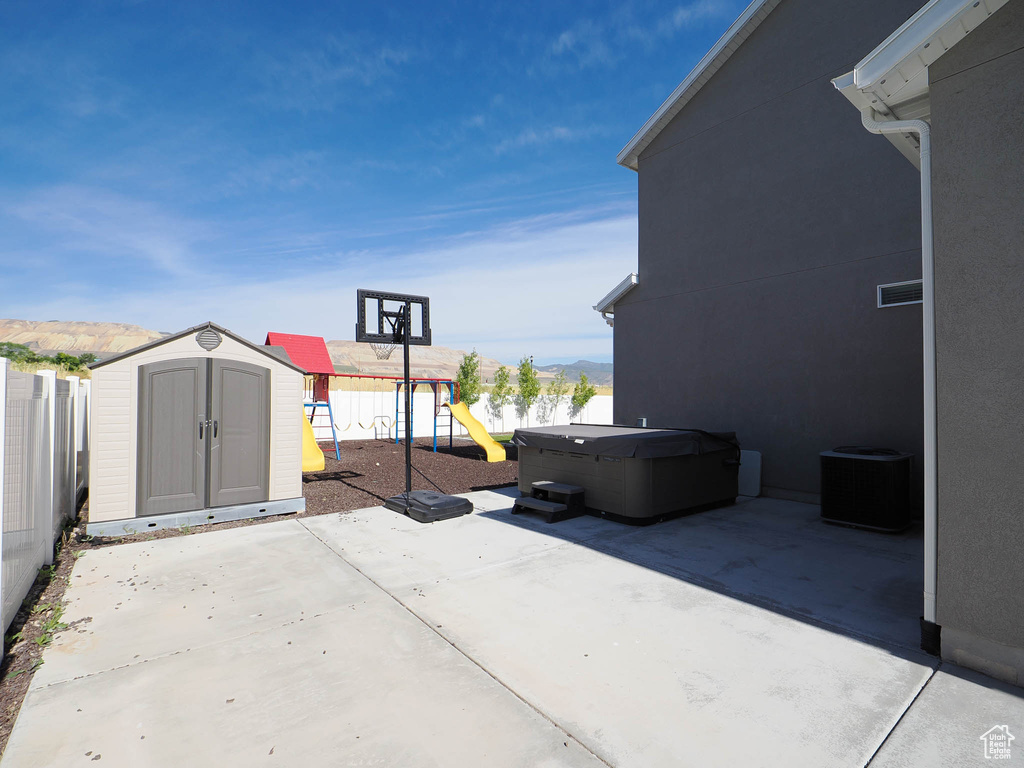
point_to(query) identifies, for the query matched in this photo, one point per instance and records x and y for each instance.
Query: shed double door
(204, 435)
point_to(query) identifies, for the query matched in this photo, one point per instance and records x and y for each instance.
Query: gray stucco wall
(768, 216)
(977, 98)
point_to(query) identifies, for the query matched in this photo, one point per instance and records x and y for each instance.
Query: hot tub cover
(625, 442)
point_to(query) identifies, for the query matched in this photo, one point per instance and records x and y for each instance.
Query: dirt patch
(366, 473)
(369, 471)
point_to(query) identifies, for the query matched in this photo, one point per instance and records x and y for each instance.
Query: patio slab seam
(550, 719)
(198, 647)
(903, 714)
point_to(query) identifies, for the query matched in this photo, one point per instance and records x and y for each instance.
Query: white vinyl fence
(43, 470)
(371, 415)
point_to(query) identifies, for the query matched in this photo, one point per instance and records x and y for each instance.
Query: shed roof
(195, 330)
(309, 352)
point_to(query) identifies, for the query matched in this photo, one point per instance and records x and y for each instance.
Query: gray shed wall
(767, 219)
(977, 102)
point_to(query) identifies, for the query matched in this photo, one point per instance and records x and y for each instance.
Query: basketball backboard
(379, 317)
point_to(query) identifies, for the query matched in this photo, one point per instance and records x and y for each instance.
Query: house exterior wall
(112, 472)
(767, 217)
(977, 103)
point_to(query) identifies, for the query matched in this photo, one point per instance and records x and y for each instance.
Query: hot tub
(633, 475)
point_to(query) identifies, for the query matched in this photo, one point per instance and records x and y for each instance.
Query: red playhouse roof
(309, 352)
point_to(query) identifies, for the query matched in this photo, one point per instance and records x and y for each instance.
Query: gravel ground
(366, 473)
(369, 471)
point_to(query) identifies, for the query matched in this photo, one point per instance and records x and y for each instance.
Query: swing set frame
(321, 388)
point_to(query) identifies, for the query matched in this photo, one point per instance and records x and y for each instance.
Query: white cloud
(68, 81)
(684, 15)
(603, 42)
(529, 137)
(92, 221)
(285, 172)
(586, 42)
(525, 288)
(320, 74)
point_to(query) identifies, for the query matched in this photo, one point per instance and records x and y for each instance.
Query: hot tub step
(552, 510)
(562, 493)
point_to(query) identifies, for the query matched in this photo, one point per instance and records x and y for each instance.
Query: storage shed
(200, 426)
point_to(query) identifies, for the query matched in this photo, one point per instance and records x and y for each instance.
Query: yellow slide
(495, 450)
(312, 456)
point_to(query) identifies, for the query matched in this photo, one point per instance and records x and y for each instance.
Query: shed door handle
(201, 422)
(214, 427)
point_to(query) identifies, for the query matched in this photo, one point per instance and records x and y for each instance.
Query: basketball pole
(406, 312)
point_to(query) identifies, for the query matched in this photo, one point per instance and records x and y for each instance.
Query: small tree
(581, 394)
(529, 388)
(468, 378)
(15, 352)
(66, 361)
(558, 388)
(501, 395)
(87, 358)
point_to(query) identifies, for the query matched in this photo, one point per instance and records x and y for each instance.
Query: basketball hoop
(383, 351)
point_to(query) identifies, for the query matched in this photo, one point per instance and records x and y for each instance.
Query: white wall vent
(898, 294)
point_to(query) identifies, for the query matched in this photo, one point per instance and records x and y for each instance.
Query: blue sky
(254, 163)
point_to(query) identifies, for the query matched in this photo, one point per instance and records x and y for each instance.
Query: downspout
(923, 130)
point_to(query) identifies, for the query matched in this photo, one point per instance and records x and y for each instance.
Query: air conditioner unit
(866, 487)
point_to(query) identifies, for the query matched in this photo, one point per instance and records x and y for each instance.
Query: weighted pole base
(428, 506)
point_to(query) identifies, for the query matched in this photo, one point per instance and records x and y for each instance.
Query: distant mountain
(51, 336)
(107, 339)
(597, 373)
(425, 362)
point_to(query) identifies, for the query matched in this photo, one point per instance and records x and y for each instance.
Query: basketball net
(382, 351)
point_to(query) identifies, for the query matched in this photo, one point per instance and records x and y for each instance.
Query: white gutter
(923, 130)
(606, 306)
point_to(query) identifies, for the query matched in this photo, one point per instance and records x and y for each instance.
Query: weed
(54, 623)
(186, 529)
(15, 674)
(41, 607)
(36, 665)
(13, 638)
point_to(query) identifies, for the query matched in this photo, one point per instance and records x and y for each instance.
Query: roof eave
(905, 143)
(607, 304)
(712, 61)
(189, 331)
(917, 43)
(893, 79)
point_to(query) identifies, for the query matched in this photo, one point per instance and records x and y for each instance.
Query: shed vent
(208, 339)
(897, 294)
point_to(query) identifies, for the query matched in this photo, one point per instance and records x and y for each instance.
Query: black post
(408, 404)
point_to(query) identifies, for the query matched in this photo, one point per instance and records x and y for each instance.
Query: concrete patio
(751, 635)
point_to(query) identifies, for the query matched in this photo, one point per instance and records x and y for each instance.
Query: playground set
(311, 354)
(385, 321)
